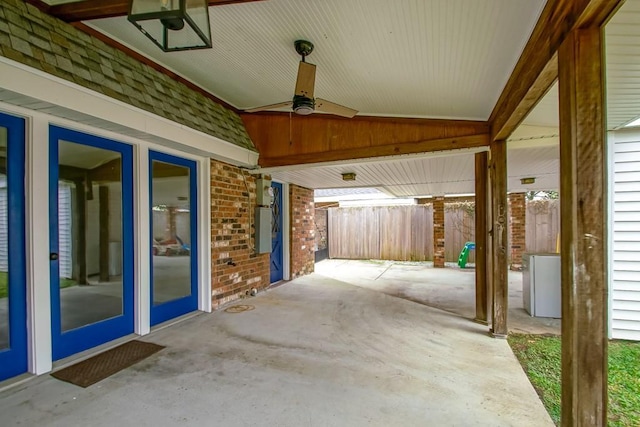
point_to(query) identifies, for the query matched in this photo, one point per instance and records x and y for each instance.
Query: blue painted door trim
(177, 307)
(79, 339)
(276, 269)
(13, 360)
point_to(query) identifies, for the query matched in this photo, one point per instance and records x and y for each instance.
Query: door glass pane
(89, 234)
(4, 244)
(171, 229)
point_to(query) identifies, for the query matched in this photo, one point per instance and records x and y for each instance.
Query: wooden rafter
(537, 68)
(283, 139)
(96, 9)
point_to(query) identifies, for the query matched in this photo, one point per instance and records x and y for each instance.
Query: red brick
(517, 227)
(438, 232)
(233, 238)
(302, 243)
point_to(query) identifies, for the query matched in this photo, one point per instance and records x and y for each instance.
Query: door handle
(53, 256)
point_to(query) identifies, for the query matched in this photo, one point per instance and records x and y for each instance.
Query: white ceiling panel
(436, 174)
(623, 65)
(55, 2)
(411, 58)
(622, 52)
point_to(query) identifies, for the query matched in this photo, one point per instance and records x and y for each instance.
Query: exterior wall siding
(625, 235)
(235, 267)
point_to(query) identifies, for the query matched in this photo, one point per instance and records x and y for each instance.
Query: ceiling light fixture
(526, 181)
(349, 176)
(173, 25)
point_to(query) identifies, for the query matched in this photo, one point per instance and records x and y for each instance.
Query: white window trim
(37, 228)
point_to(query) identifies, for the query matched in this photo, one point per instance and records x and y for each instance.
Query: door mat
(105, 364)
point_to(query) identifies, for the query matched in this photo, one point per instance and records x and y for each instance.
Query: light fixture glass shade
(173, 24)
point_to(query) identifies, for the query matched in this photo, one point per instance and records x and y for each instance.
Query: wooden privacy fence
(401, 233)
(459, 228)
(405, 233)
(542, 225)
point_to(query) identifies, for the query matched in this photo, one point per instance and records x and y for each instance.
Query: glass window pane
(89, 234)
(171, 221)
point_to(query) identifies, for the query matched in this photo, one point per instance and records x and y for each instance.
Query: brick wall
(438, 232)
(232, 236)
(40, 41)
(321, 226)
(517, 228)
(302, 231)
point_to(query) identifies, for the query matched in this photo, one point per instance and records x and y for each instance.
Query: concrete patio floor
(316, 351)
(451, 289)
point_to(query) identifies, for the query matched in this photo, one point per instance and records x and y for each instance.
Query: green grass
(539, 356)
(4, 287)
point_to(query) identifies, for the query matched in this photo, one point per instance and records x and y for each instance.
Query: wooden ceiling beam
(96, 9)
(537, 69)
(285, 139)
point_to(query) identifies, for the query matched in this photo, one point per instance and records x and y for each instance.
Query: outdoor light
(173, 24)
(349, 176)
(525, 181)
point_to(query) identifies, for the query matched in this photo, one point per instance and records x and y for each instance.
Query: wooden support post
(481, 238)
(80, 216)
(490, 255)
(583, 188)
(500, 235)
(438, 232)
(103, 198)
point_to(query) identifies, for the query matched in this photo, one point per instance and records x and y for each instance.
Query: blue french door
(174, 220)
(276, 234)
(13, 302)
(91, 240)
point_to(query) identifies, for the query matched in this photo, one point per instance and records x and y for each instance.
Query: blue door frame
(177, 307)
(75, 340)
(13, 360)
(276, 269)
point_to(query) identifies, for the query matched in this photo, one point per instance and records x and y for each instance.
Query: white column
(204, 235)
(142, 241)
(37, 244)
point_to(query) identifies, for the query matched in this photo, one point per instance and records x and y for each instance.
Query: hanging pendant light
(173, 25)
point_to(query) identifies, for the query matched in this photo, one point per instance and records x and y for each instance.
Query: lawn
(539, 356)
(4, 287)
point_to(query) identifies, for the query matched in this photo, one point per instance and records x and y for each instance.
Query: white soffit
(56, 2)
(622, 35)
(622, 54)
(414, 58)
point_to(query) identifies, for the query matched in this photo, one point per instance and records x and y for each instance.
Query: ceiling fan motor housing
(303, 105)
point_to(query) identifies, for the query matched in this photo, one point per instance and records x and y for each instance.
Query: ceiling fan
(303, 102)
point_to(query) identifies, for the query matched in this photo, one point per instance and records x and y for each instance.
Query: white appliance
(541, 285)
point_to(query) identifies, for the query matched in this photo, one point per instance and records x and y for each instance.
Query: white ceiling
(409, 58)
(623, 65)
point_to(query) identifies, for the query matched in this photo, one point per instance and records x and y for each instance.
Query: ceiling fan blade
(325, 106)
(270, 107)
(306, 79)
